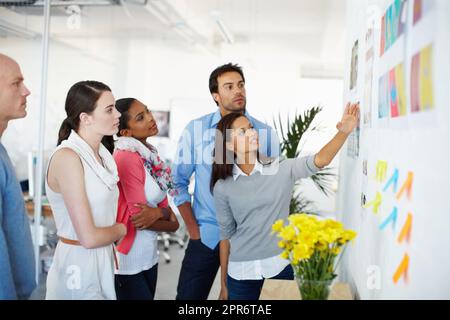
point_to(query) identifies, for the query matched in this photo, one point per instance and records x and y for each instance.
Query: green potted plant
(290, 137)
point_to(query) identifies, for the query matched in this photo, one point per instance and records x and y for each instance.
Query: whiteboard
(403, 85)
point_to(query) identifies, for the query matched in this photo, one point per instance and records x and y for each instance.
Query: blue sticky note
(391, 219)
(392, 180)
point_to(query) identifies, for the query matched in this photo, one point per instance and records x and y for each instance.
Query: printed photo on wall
(353, 143)
(421, 8)
(383, 97)
(368, 79)
(354, 67)
(162, 119)
(397, 94)
(393, 24)
(422, 81)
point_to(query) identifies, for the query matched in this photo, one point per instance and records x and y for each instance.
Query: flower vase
(314, 289)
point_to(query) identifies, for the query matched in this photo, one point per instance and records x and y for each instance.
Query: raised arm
(348, 123)
(67, 172)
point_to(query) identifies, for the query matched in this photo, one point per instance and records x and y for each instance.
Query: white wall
(369, 264)
(165, 77)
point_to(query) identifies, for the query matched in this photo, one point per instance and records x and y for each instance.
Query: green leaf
(290, 137)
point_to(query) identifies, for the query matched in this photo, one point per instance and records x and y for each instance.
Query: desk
(288, 290)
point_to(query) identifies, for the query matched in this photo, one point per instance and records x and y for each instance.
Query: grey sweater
(247, 208)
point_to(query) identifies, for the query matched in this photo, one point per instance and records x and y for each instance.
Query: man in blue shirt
(17, 273)
(195, 149)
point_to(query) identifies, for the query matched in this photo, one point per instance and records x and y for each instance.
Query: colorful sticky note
(417, 11)
(383, 35)
(393, 180)
(426, 79)
(406, 230)
(402, 18)
(393, 94)
(392, 218)
(415, 69)
(402, 270)
(407, 186)
(375, 204)
(401, 93)
(381, 170)
(389, 28)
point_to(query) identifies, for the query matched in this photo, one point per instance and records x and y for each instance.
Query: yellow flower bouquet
(312, 246)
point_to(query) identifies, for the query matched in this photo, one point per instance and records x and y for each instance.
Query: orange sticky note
(407, 186)
(406, 230)
(402, 270)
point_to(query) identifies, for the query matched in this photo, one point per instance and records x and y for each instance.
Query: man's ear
(125, 133)
(216, 97)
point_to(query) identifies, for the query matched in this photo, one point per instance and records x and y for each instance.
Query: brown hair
(223, 162)
(82, 97)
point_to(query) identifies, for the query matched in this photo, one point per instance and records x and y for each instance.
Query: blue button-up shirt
(17, 272)
(194, 156)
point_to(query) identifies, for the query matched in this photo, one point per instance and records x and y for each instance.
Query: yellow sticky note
(375, 204)
(426, 79)
(381, 170)
(401, 93)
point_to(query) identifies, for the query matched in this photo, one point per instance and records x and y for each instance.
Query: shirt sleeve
(273, 144)
(17, 263)
(303, 167)
(7, 289)
(225, 219)
(184, 166)
(132, 178)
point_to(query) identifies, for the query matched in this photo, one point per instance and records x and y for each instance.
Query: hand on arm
(348, 123)
(146, 217)
(71, 185)
(166, 224)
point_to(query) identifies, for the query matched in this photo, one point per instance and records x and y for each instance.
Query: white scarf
(107, 174)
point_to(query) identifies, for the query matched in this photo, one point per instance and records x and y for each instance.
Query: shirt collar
(238, 172)
(217, 116)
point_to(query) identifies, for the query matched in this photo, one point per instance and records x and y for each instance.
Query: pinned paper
(392, 181)
(402, 270)
(393, 94)
(422, 80)
(426, 79)
(391, 219)
(383, 97)
(381, 170)
(407, 186)
(406, 230)
(414, 89)
(401, 92)
(375, 204)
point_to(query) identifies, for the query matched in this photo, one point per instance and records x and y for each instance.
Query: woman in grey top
(251, 192)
